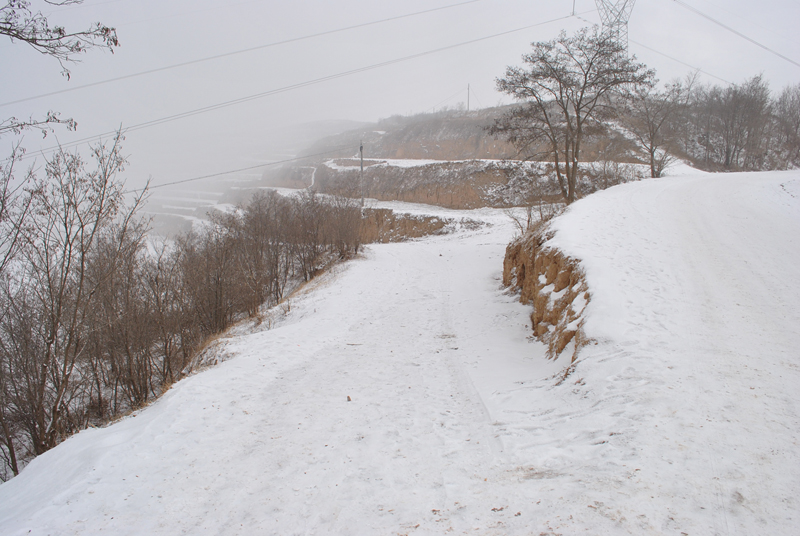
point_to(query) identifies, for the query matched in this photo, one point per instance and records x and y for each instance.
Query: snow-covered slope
(683, 418)
(696, 308)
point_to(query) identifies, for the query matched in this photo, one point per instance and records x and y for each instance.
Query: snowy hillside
(402, 395)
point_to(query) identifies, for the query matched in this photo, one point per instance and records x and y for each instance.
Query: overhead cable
(665, 55)
(740, 34)
(228, 172)
(299, 85)
(235, 52)
(679, 61)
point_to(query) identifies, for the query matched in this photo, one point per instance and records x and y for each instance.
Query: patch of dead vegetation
(381, 225)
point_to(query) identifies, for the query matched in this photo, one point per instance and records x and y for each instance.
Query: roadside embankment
(382, 225)
(554, 284)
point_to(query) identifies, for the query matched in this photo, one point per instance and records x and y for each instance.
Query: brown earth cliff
(555, 285)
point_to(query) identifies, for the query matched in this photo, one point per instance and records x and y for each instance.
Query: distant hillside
(298, 138)
(439, 136)
(447, 159)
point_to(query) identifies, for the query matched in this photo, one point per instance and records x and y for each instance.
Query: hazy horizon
(155, 35)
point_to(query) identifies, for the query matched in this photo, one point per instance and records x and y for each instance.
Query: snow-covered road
(682, 419)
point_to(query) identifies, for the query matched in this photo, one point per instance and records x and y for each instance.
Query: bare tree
(261, 247)
(307, 223)
(212, 287)
(744, 114)
(13, 125)
(176, 332)
(267, 220)
(20, 23)
(344, 226)
(787, 119)
(651, 116)
(565, 88)
(15, 204)
(53, 296)
(121, 326)
(733, 123)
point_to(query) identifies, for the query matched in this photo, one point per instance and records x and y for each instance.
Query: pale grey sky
(158, 33)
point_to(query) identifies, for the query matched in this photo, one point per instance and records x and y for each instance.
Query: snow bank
(690, 380)
(696, 306)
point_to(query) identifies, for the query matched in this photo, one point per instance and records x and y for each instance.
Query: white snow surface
(682, 168)
(682, 419)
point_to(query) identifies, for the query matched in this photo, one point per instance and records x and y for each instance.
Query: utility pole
(615, 15)
(467, 98)
(361, 176)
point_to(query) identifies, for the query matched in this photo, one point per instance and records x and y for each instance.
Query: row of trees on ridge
(581, 88)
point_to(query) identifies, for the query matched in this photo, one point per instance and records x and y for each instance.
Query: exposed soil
(554, 284)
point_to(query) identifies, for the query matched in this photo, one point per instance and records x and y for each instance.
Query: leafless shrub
(97, 322)
(344, 226)
(50, 297)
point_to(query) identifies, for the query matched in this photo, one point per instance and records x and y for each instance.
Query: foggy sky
(160, 33)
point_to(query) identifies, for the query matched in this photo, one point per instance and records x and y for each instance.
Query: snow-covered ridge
(693, 317)
(458, 183)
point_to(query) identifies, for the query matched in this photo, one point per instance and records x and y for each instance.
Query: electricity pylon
(615, 15)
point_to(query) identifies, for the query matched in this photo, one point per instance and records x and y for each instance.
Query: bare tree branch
(21, 23)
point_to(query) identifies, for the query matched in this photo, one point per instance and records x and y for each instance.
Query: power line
(718, 23)
(299, 85)
(433, 108)
(235, 52)
(749, 20)
(476, 98)
(678, 61)
(665, 55)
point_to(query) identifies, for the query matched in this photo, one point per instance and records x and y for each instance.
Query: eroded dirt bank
(554, 284)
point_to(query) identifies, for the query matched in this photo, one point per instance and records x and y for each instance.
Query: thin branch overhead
(21, 23)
